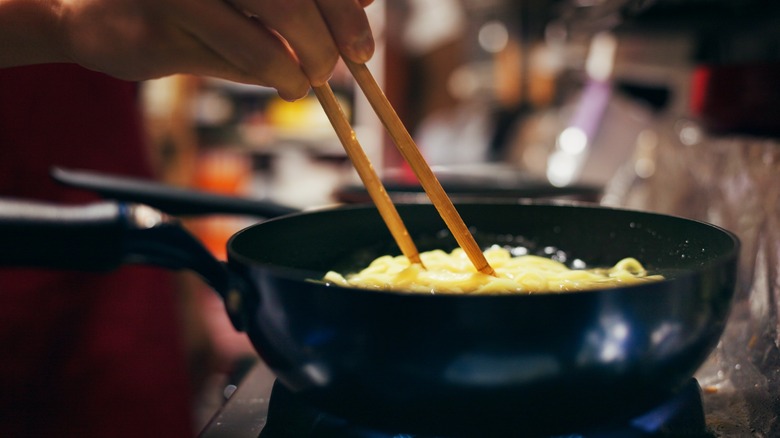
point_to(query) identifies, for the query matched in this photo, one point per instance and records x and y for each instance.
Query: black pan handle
(49, 236)
(172, 200)
(105, 235)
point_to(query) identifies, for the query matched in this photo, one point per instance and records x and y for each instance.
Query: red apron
(83, 354)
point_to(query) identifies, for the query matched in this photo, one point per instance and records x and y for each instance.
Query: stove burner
(680, 416)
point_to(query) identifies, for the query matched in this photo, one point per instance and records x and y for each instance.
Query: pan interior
(346, 239)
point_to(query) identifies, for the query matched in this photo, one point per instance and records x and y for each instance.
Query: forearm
(29, 32)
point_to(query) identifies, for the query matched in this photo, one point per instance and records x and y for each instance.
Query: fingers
(301, 25)
(317, 31)
(286, 44)
(195, 57)
(253, 53)
(349, 27)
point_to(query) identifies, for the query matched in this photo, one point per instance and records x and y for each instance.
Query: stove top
(260, 407)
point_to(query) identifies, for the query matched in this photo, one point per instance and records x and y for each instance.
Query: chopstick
(366, 172)
(408, 149)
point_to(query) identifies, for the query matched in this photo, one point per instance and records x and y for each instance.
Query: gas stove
(260, 407)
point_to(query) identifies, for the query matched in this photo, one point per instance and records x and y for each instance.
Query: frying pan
(439, 364)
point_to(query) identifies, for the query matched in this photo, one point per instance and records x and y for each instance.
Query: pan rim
(311, 276)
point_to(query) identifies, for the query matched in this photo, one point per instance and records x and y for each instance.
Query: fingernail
(363, 48)
(322, 80)
(287, 98)
(293, 95)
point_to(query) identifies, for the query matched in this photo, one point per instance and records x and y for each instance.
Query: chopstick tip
(488, 270)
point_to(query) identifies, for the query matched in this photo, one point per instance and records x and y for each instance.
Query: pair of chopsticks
(408, 149)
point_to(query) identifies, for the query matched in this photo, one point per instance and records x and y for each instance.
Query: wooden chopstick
(406, 145)
(366, 172)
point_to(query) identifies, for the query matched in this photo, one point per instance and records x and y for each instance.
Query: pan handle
(172, 200)
(105, 235)
(50, 236)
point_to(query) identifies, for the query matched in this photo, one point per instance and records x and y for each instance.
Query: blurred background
(663, 105)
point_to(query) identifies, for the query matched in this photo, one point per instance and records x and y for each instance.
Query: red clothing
(82, 354)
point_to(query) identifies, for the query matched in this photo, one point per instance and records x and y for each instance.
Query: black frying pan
(444, 364)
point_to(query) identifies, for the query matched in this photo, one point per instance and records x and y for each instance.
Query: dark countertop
(244, 413)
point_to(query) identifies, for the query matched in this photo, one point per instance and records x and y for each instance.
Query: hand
(285, 44)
